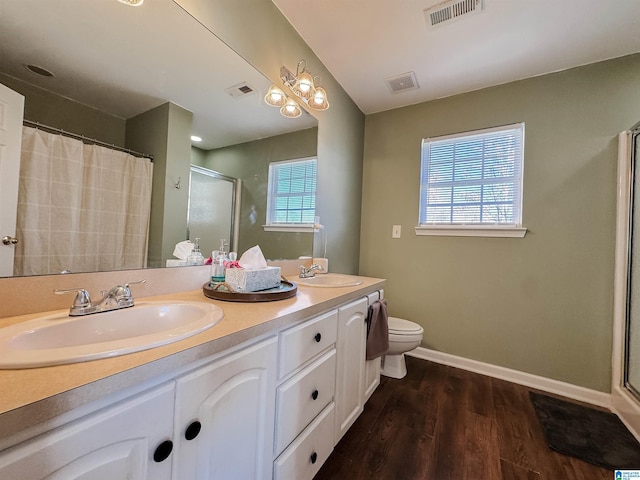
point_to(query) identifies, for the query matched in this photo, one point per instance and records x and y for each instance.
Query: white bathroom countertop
(52, 391)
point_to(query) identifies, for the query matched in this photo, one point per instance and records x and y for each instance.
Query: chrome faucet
(311, 271)
(116, 298)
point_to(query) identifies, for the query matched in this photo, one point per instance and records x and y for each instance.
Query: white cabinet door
(227, 409)
(117, 443)
(351, 346)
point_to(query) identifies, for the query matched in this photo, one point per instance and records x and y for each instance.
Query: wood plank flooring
(442, 423)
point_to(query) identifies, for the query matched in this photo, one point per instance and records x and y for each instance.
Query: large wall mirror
(119, 72)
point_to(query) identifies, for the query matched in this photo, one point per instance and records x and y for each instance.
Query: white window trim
(287, 227)
(477, 230)
(505, 231)
(291, 227)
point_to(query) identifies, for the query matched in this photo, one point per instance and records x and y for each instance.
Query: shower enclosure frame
(625, 401)
(235, 203)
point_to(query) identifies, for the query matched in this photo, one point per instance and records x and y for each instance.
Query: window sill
(293, 228)
(507, 231)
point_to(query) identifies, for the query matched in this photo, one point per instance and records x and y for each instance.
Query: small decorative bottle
(195, 257)
(218, 263)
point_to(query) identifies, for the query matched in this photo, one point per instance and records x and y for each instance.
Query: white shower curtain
(81, 208)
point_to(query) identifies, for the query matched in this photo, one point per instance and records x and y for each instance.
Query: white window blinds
(473, 178)
(292, 192)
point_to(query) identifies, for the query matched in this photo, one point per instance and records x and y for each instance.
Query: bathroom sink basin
(329, 280)
(59, 339)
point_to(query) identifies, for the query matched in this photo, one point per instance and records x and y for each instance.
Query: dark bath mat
(594, 436)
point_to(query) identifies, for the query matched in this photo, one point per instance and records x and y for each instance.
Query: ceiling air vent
(239, 90)
(402, 83)
(451, 10)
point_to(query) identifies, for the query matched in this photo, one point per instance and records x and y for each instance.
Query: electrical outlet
(396, 231)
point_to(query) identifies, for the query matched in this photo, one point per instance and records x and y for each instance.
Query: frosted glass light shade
(291, 109)
(304, 85)
(319, 100)
(275, 97)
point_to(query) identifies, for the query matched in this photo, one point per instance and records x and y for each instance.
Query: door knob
(7, 240)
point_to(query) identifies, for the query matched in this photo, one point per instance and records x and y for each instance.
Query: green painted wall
(261, 34)
(542, 304)
(164, 133)
(250, 163)
(60, 112)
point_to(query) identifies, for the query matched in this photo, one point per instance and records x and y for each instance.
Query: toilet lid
(400, 325)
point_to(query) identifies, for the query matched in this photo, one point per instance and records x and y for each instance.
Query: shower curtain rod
(59, 131)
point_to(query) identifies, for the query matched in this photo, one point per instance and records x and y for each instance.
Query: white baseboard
(557, 387)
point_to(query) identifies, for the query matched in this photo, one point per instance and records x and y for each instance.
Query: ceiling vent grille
(451, 10)
(402, 83)
(240, 90)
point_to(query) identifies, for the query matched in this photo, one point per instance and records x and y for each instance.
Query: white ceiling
(121, 60)
(363, 42)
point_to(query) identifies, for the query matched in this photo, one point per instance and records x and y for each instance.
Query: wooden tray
(285, 290)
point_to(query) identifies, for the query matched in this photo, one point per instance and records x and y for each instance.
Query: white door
(352, 338)
(130, 440)
(11, 113)
(225, 417)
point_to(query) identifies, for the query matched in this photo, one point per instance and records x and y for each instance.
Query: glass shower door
(212, 209)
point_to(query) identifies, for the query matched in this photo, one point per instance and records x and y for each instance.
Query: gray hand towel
(377, 330)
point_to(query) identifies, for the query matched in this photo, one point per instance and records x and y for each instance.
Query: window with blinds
(473, 178)
(292, 192)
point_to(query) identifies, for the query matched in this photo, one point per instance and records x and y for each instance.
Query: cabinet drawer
(303, 342)
(305, 456)
(302, 397)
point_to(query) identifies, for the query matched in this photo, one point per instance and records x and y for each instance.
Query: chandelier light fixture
(303, 85)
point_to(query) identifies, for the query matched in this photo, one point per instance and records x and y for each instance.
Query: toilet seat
(400, 326)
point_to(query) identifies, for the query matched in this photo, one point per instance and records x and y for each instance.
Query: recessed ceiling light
(132, 3)
(195, 138)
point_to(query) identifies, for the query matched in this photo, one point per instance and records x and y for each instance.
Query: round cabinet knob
(7, 240)
(193, 430)
(318, 337)
(163, 451)
(314, 457)
(314, 395)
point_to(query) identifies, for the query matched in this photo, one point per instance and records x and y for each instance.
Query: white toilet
(403, 337)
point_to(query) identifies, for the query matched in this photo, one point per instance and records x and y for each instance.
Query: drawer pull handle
(163, 451)
(314, 457)
(314, 395)
(192, 430)
(318, 337)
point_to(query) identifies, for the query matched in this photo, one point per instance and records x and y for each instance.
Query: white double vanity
(266, 393)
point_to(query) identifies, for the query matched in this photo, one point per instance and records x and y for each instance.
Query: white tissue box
(244, 280)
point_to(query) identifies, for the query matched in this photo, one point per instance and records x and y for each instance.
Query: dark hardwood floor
(440, 423)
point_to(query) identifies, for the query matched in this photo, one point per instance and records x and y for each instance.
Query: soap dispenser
(218, 259)
(195, 257)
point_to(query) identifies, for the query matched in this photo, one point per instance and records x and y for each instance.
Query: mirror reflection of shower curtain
(632, 351)
(81, 208)
(213, 209)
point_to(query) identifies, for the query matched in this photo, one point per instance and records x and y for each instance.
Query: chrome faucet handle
(81, 303)
(310, 272)
(122, 294)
